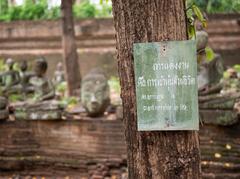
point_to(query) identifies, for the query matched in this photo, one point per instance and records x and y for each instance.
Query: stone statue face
(202, 39)
(23, 66)
(95, 94)
(40, 67)
(10, 63)
(59, 66)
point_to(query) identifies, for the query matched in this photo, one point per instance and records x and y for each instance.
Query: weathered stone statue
(25, 76)
(3, 108)
(209, 73)
(59, 74)
(43, 107)
(44, 110)
(43, 87)
(231, 83)
(95, 93)
(214, 92)
(10, 79)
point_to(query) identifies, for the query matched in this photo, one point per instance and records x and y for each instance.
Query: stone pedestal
(47, 110)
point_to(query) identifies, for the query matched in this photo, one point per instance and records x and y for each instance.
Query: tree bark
(152, 155)
(11, 2)
(70, 55)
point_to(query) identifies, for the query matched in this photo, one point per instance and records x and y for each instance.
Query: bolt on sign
(166, 85)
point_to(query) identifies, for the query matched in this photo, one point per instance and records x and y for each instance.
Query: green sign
(166, 85)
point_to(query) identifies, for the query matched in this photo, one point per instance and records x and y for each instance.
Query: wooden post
(70, 55)
(152, 155)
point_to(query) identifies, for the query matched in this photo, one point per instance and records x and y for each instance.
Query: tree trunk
(152, 155)
(70, 55)
(11, 3)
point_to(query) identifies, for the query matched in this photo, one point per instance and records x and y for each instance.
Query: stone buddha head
(95, 93)
(10, 63)
(23, 66)
(40, 67)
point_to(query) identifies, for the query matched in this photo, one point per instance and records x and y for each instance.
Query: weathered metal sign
(166, 85)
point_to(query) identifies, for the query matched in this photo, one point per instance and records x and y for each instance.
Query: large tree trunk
(152, 154)
(70, 55)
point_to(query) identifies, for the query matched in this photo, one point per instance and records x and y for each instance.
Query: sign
(166, 85)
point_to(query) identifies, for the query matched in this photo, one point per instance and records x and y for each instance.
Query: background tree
(152, 154)
(70, 55)
(12, 2)
(3, 7)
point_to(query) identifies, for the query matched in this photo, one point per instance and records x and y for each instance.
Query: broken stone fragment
(3, 102)
(4, 114)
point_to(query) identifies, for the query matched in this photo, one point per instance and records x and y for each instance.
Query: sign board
(166, 85)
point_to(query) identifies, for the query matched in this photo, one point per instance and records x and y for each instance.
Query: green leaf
(199, 15)
(237, 68)
(204, 23)
(101, 1)
(198, 12)
(191, 31)
(209, 54)
(189, 13)
(226, 75)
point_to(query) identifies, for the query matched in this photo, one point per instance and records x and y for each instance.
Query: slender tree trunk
(11, 2)
(152, 155)
(70, 55)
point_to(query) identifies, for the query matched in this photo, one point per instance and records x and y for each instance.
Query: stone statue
(231, 83)
(25, 76)
(10, 79)
(216, 94)
(95, 93)
(44, 107)
(209, 73)
(3, 108)
(59, 74)
(43, 87)
(202, 41)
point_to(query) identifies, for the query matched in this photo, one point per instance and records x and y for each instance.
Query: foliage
(103, 1)
(194, 14)
(217, 6)
(226, 75)
(15, 97)
(3, 6)
(61, 88)
(84, 10)
(2, 66)
(237, 68)
(104, 11)
(68, 102)
(114, 84)
(27, 11)
(52, 13)
(37, 10)
(209, 54)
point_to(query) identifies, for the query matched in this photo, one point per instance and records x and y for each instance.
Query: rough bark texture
(152, 155)
(70, 55)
